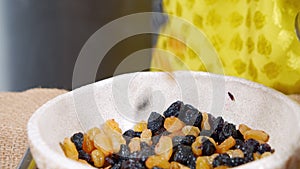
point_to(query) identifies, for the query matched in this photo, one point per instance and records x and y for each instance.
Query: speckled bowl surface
(130, 98)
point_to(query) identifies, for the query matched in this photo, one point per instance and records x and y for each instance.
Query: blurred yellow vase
(254, 39)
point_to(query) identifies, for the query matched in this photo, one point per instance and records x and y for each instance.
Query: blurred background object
(255, 40)
(40, 40)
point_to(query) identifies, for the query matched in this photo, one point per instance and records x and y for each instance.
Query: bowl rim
(38, 146)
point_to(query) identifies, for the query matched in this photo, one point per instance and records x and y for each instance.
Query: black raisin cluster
(182, 153)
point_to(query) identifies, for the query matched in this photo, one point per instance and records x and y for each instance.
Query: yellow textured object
(254, 39)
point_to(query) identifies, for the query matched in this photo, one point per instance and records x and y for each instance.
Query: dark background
(41, 39)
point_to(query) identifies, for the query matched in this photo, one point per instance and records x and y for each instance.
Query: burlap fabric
(15, 111)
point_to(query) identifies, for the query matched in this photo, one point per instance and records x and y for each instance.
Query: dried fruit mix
(181, 138)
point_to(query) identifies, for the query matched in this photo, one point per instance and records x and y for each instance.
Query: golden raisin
(257, 135)
(111, 125)
(211, 158)
(243, 128)
(256, 156)
(157, 161)
(176, 165)
(114, 133)
(173, 124)
(266, 154)
(202, 163)
(116, 139)
(146, 136)
(98, 158)
(141, 126)
(191, 130)
(226, 145)
(103, 143)
(134, 144)
(92, 132)
(164, 147)
(205, 124)
(235, 153)
(197, 148)
(69, 149)
(178, 133)
(88, 145)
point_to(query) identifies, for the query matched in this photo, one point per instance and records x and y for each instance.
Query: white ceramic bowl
(131, 97)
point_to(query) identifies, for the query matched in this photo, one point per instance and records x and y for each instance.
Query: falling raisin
(231, 96)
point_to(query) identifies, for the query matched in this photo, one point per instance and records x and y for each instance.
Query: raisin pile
(183, 137)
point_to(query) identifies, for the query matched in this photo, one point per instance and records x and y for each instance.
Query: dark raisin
(229, 130)
(77, 139)
(145, 152)
(221, 160)
(124, 152)
(191, 162)
(183, 154)
(188, 140)
(162, 131)
(236, 161)
(248, 156)
(116, 165)
(84, 156)
(211, 119)
(111, 160)
(134, 155)
(129, 134)
(137, 134)
(238, 144)
(239, 135)
(264, 148)
(190, 116)
(252, 145)
(221, 137)
(174, 109)
(132, 164)
(144, 145)
(217, 129)
(177, 140)
(208, 148)
(155, 122)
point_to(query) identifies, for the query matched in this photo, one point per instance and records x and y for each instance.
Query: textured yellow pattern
(254, 39)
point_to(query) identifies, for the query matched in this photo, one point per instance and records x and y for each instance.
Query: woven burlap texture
(15, 111)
